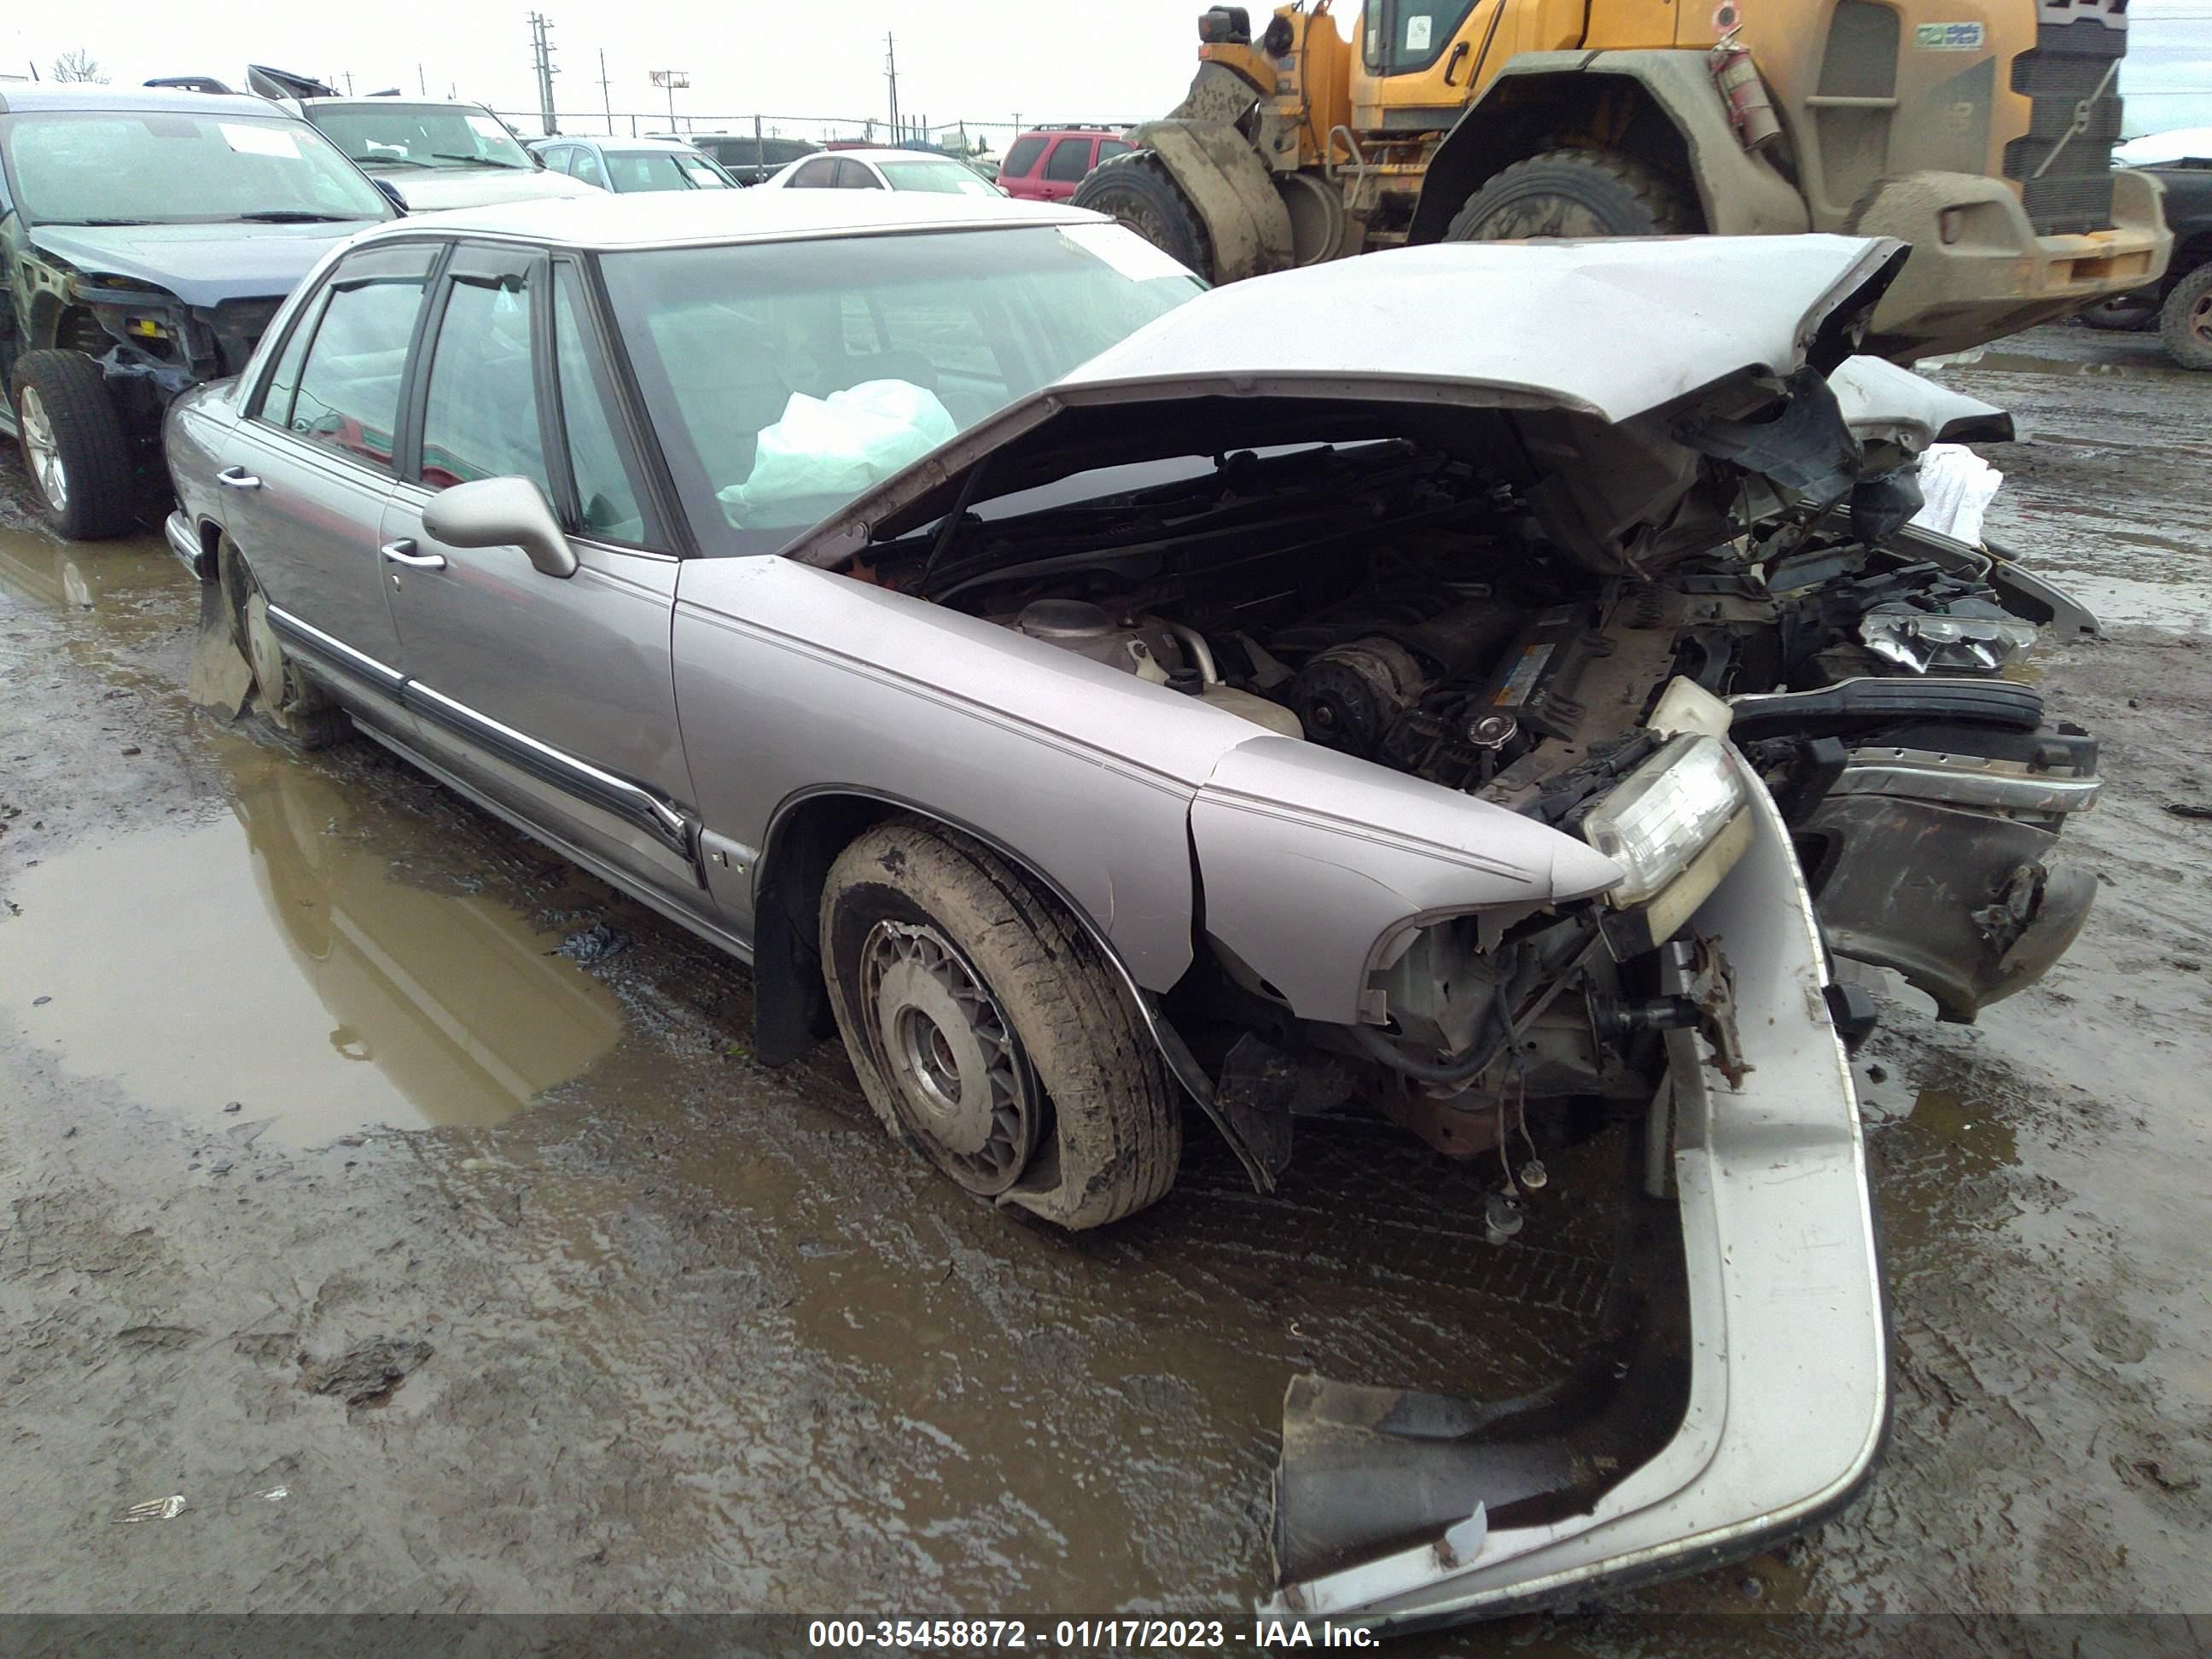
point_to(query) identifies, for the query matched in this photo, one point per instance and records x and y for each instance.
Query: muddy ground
(352, 1145)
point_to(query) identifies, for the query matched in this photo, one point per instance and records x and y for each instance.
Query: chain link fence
(958, 137)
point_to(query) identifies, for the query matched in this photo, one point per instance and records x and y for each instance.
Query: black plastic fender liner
(1369, 1471)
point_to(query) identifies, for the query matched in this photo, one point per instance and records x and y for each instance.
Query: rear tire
(1138, 189)
(988, 1034)
(74, 446)
(2185, 321)
(1574, 194)
(297, 707)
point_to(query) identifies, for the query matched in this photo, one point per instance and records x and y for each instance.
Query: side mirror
(390, 192)
(501, 512)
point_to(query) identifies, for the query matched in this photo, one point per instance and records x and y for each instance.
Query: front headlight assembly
(1955, 642)
(1656, 822)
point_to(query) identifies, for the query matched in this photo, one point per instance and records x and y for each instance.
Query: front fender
(1310, 860)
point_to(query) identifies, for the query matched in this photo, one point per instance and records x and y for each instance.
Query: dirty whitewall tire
(1575, 193)
(1139, 192)
(75, 447)
(2185, 321)
(1108, 1136)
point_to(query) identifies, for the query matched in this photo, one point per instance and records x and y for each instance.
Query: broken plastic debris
(154, 1508)
(276, 1494)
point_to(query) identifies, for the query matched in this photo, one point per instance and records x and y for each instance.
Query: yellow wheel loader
(1978, 130)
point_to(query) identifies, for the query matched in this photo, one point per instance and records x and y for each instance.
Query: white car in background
(882, 169)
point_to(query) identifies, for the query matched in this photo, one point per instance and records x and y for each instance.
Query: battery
(1536, 681)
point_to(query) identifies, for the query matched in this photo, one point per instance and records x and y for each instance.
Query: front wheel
(1138, 189)
(1574, 194)
(988, 1033)
(2185, 321)
(74, 444)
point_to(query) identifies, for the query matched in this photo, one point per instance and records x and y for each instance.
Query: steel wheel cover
(950, 1058)
(44, 453)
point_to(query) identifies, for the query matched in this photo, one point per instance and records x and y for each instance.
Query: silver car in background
(1435, 684)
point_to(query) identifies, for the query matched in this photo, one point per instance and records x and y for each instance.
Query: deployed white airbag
(837, 446)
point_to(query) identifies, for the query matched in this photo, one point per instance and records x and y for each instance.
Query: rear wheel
(987, 1032)
(74, 445)
(2185, 321)
(1138, 189)
(1574, 194)
(304, 713)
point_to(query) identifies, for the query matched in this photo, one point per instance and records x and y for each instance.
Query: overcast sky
(983, 60)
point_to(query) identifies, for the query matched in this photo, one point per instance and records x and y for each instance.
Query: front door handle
(237, 477)
(403, 552)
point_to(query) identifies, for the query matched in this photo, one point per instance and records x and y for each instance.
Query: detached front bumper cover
(1690, 1442)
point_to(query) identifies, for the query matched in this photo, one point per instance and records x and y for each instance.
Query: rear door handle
(237, 477)
(403, 552)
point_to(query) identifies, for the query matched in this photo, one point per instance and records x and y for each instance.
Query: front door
(553, 694)
(308, 472)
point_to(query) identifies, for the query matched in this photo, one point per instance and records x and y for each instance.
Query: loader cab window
(1404, 37)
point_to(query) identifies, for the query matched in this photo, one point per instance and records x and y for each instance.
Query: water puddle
(272, 959)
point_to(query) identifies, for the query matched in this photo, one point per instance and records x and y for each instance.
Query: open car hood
(1641, 338)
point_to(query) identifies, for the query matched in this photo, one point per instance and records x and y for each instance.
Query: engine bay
(1404, 607)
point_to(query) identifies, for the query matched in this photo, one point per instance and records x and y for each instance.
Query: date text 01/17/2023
(1085, 1635)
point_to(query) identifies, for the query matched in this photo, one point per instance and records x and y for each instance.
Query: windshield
(418, 135)
(663, 169)
(117, 167)
(949, 178)
(785, 379)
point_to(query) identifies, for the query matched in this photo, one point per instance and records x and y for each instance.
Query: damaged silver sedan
(1485, 686)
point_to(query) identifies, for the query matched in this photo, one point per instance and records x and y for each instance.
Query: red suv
(1048, 163)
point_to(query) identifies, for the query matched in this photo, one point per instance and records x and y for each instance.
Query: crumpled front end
(1744, 1392)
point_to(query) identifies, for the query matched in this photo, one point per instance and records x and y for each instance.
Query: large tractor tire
(2185, 321)
(1138, 189)
(989, 1033)
(1574, 194)
(74, 446)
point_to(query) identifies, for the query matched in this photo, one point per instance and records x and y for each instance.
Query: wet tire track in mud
(686, 1335)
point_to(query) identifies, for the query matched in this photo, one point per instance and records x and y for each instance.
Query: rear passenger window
(1071, 160)
(349, 392)
(1022, 159)
(814, 175)
(284, 379)
(1109, 147)
(480, 419)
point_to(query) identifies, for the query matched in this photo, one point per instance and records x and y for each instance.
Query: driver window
(480, 416)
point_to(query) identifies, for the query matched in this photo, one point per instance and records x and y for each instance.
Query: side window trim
(347, 273)
(306, 323)
(407, 448)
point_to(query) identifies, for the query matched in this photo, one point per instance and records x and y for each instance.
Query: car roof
(610, 221)
(23, 97)
(393, 103)
(891, 152)
(653, 142)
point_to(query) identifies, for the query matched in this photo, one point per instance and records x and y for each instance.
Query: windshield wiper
(388, 162)
(95, 222)
(477, 161)
(298, 216)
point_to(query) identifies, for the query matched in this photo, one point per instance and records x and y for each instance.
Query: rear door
(553, 696)
(309, 470)
(820, 173)
(1065, 166)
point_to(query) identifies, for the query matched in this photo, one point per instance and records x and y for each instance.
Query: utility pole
(421, 81)
(541, 55)
(605, 96)
(891, 74)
